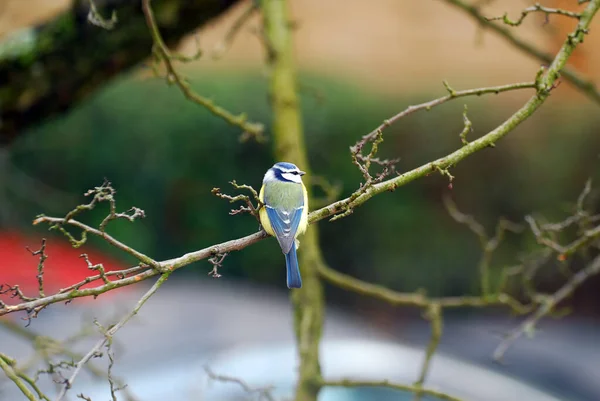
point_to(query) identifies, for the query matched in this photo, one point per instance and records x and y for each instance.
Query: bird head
(284, 172)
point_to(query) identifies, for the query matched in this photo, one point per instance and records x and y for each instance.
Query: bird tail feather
(293, 271)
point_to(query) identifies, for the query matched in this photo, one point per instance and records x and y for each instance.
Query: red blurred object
(63, 267)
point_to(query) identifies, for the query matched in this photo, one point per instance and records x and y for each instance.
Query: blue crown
(285, 166)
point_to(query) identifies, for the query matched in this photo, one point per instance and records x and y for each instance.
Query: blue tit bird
(285, 213)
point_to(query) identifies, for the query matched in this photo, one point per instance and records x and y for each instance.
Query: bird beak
(301, 172)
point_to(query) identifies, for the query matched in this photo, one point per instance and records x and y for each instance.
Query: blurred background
(359, 63)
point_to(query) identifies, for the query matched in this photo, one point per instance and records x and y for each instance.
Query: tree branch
(535, 8)
(585, 85)
(110, 333)
(67, 59)
(263, 392)
(488, 245)
(418, 299)
(162, 53)
(547, 306)
(388, 384)
(7, 364)
(567, 250)
(375, 137)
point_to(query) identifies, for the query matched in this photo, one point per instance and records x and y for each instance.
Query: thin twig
(224, 45)
(584, 84)
(40, 269)
(566, 250)
(488, 245)
(375, 137)
(249, 208)
(163, 53)
(468, 127)
(263, 392)
(216, 262)
(535, 8)
(434, 315)
(49, 347)
(548, 305)
(98, 267)
(94, 352)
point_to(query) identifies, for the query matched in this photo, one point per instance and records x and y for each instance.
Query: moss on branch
(65, 60)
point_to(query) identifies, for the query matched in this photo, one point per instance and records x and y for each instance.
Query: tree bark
(65, 60)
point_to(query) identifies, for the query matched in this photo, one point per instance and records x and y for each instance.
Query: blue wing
(285, 224)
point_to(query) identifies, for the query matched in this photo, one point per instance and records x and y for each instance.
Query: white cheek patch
(269, 176)
(292, 177)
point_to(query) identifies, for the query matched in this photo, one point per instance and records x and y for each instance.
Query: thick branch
(70, 58)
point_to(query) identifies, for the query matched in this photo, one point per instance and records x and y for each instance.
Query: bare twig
(535, 8)
(264, 393)
(375, 137)
(217, 262)
(99, 268)
(48, 348)
(162, 52)
(468, 127)
(114, 387)
(548, 304)
(249, 208)
(95, 351)
(40, 269)
(581, 215)
(434, 315)
(563, 251)
(488, 245)
(224, 45)
(584, 84)
(103, 193)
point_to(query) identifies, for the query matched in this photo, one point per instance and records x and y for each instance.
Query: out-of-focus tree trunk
(289, 146)
(46, 70)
